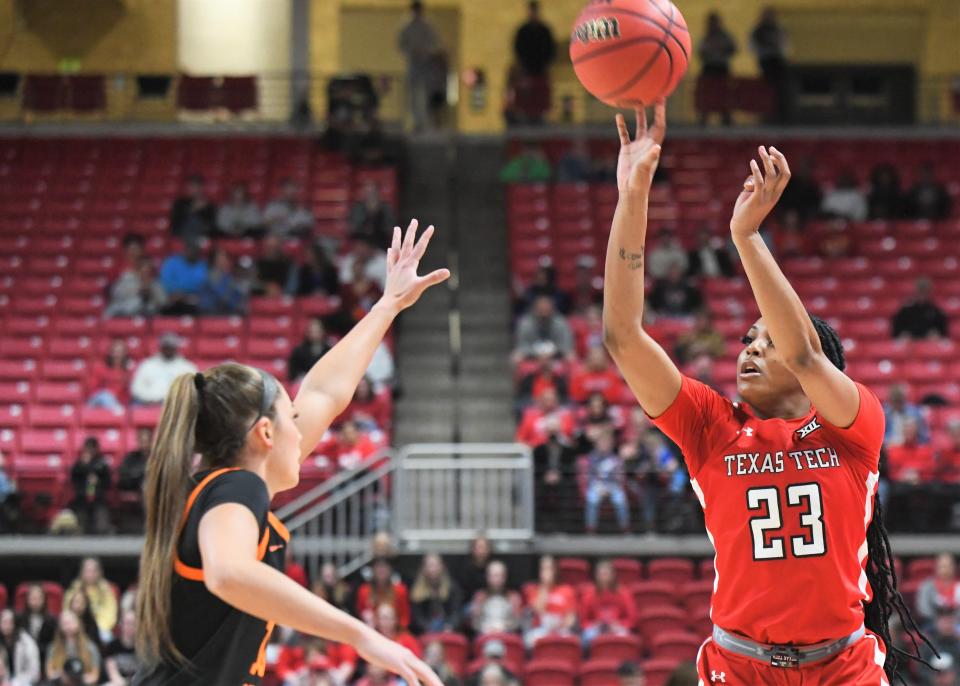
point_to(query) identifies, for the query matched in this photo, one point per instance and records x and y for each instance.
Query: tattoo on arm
(634, 260)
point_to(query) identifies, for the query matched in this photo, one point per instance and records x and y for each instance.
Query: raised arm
(651, 375)
(328, 387)
(830, 390)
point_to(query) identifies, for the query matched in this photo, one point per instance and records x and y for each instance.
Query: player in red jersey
(787, 478)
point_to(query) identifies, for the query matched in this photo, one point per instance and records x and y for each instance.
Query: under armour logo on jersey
(748, 431)
(805, 431)
(718, 677)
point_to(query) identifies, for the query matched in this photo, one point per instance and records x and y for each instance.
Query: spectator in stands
(294, 569)
(543, 418)
(596, 375)
(555, 487)
(193, 215)
(286, 215)
(36, 620)
(702, 339)
(897, 410)
(80, 606)
(364, 260)
(945, 637)
(371, 219)
(551, 606)
(331, 587)
(631, 674)
(90, 477)
(496, 608)
(845, 199)
(835, 241)
(587, 285)
(379, 677)
(354, 449)
(120, 655)
(948, 467)
(606, 607)
(493, 671)
(940, 592)
(134, 249)
(221, 294)
(239, 217)
(9, 500)
(383, 589)
(605, 480)
(542, 324)
(674, 296)
(381, 369)
(575, 165)
(545, 375)
(358, 295)
(434, 654)
(110, 379)
(716, 49)
(534, 46)
(182, 277)
(648, 463)
(710, 258)
(544, 283)
(22, 656)
(132, 472)
(435, 598)
(668, 254)
(911, 461)
(768, 41)
(928, 198)
(100, 596)
(594, 417)
(885, 200)
(790, 238)
(370, 411)
(530, 165)
(273, 267)
(72, 654)
(418, 41)
(386, 623)
(803, 194)
(316, 275)
(137, 292)
(919, 317)
(315, 345)
(155, 374)
(473, 575)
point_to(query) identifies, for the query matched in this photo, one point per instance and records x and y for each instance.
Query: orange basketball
(630, 52)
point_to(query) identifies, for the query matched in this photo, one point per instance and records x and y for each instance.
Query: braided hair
(881, 571)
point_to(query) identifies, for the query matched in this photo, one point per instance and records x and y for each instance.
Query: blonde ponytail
(166, 488)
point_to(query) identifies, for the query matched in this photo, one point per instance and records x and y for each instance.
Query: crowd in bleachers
(863, 252)
(476, 621)
(128, 262)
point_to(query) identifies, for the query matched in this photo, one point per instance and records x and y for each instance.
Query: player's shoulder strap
(196, 573)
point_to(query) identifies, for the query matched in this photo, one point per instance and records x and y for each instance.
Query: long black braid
(881, 571)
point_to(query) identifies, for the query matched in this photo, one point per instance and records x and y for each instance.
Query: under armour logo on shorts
(716, 677)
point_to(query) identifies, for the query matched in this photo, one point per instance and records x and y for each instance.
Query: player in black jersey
(211, 574)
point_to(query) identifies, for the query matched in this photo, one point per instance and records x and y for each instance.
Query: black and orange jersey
(224, 646)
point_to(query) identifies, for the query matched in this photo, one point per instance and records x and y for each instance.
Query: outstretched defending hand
(639, 158)
(404, 287)
(393, 657)
(761, 191)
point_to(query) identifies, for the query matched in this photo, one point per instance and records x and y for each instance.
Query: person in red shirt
(298, 659)
(787, 477)
(382, 589)
(606, 607)
(294, 569)
(596, 376)
(544, 417)
(353, 447)
(553, 606)
(948, 463)
(368, 409)
(110, 379)
(386, 623)
(911, 462)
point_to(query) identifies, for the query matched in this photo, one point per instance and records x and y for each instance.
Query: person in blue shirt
(221, 294)
(183, 276)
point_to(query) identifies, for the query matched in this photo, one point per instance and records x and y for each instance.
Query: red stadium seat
(58, 393)
(455, 647)
(599, 673)
(53, 591)
(616, 649)
(239, 93)
(573, 571)
(647, 593)
(548, 673)
(921, 568)
(655, 619)
(50, 417)
(658, 670)
(563, 649)
(197, 93)
(696, 593)
(681, 645)
(677, 570)
(629, 571)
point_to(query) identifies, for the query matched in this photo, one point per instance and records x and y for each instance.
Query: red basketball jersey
(787, 504)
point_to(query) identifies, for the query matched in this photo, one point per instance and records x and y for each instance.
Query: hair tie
(200, 381)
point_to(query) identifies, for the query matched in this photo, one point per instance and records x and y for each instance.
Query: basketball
(630, 52)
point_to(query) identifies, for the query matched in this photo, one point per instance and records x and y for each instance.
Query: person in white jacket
(155, 374)
(21, 656)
